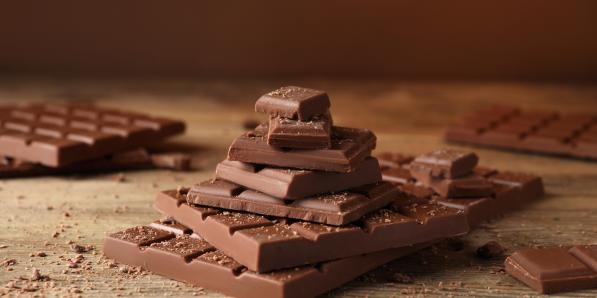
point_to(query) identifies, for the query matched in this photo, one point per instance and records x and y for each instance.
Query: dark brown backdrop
(435, 39)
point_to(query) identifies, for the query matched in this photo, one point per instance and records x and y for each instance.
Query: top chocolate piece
(59, 134)
(446, 163)
(294, 102)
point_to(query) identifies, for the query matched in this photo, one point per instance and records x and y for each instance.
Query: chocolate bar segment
(270, 243)
(186, 257)
(337, 209)
(294, 102)
(464, 187)
(555, 269)
(530, 131)
(445, 163)
(291, 184)
(124, 161)
(510, 191)
(350, 146)
(57, 135)
(296, 134)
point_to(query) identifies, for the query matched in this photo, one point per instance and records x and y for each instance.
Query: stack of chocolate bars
(67, 138)
(299, 207)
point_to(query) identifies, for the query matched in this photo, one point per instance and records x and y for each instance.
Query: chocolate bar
(350, 146)
(510, 190)
(172, 251)
(57, 135)
(555, 269)
(130, 160)
(297, 134)
(291, 184)
(294, 103)
(270, 243)
(469, 186)
(531, 131)
(331, 208)
(445, 163)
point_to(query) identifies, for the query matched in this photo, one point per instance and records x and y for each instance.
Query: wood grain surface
(50, 214)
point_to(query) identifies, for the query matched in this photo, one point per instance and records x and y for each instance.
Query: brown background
(462, 39)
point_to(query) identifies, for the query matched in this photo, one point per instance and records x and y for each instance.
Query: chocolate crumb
(81, 249)
(8, 262)
(38, 254)
(490, 250)
(35, 276)
(119, 177)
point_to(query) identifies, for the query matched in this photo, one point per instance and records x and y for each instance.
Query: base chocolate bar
(350, 146)
(331, 208)
(531, 131)
(57, 135)
(292, 184)
(511, 190)
(294, 103)
(265, 243)
(555, 269)
(296, 134)
(130, 160)
(172, 251)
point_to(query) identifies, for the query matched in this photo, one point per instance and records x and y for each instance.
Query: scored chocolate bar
(265, 243)
(330, 208)
(511, 190)
(555, 269)
(294, 102)
(292, 184)
(350, 146)
(533, 131)
(57, 135)
(130, 160)
(168, 249)
(445, 163)
(290, 133)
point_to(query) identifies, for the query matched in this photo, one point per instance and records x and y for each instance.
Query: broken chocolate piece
(296, 134)
(294, 103)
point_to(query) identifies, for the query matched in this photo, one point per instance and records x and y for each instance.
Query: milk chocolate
(59, 134)
(445, 163)
(297, 134)
(336, 209)
(291, 184)
(265, 243)
(294, 102)
(511, 191)
(470, 186)
(172, 251)
(350, 146)
(544, 132)
(555, 269)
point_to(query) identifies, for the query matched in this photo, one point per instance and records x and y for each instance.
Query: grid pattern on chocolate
(263, 238)
(332, 208)
(56, 135)
(555, 269)
(535, 131)
(349, 146)
(295, 184)
(511, 189)
(186, 257)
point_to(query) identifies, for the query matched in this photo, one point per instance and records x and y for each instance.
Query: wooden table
(48, 214)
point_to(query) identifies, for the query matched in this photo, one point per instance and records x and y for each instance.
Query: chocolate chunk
(548, 132)
(510, 191)
(297, 184)
(555, 269)
(310, 242)
(337, 208)
(174, 161)
(294, 103)
(471, 186)
(57, 135)
(350, 146)
(190, 259)
(296, 134)
(445, 163)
